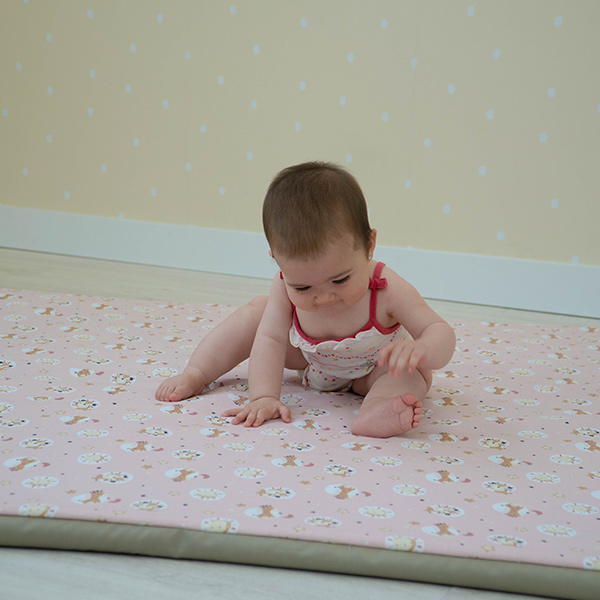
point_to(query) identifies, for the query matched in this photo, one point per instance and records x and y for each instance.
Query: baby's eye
(342, 280)
(302, 289)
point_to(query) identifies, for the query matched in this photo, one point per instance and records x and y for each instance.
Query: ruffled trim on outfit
(348, 345)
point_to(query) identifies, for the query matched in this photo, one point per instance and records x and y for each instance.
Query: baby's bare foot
(387, 418)
(179, 388)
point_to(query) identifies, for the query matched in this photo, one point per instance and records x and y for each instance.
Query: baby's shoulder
(394, 281)
(398, 292)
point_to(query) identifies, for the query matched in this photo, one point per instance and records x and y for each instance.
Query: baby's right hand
(258, 411)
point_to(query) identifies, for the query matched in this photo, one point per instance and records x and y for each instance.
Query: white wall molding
(512, 283)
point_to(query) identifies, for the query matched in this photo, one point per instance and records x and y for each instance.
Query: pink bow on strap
(378, 284)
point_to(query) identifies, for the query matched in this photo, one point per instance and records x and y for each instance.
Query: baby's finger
(397, 361)
(255, 418)
(421, 358)
(385, 356)
(239, 414)
(286, 414)
(232, 412)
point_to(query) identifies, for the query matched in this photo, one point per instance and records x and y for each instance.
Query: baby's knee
(258, 303)
(427, 375)
(253, 311)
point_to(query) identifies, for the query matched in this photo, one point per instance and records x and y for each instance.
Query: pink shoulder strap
(376, 283)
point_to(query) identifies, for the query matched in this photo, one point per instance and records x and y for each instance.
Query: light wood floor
(30, 574)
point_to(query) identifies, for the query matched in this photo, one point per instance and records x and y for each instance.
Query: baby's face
(335, 280)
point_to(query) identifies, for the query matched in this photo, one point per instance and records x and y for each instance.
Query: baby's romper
(334, 364)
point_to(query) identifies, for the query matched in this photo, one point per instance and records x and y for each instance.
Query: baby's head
(311, 205)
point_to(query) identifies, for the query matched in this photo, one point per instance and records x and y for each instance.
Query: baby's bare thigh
(294, 359)
(364, 384)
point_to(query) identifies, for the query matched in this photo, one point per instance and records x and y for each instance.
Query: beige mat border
(168, 542)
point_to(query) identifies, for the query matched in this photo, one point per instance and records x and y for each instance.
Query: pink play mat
(501, 481)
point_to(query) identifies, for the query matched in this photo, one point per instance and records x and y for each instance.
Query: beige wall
(473, 127)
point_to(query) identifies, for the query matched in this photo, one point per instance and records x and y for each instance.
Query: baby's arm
(433, 340)
(267, 361)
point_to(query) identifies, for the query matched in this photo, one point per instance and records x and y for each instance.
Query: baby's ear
(373, 241)
(270, 253)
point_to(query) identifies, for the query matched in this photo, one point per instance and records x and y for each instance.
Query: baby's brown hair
(310, 205)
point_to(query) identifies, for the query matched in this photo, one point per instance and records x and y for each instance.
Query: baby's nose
(324, 299)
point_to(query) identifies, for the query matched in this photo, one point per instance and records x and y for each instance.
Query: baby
(346, 321)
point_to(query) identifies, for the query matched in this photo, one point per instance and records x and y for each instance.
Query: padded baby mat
(498, 488)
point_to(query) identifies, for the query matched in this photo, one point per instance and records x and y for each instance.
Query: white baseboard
(508, 282)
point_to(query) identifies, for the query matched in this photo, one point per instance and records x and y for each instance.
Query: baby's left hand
(404, 354)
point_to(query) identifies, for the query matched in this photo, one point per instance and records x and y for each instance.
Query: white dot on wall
(188, 55)
(49, 138)
(165, 104)
(121, 216)
(496, 53)
(67, 195)
(50, 90)
(385, 117)
(574, 260)
(222, 191)
(92, 73)
(446, 209)
(304, 22)
(500, 236)
(451, 88)
(220, 80)
(90, 14)
(543, 138)
(554, 203)
(350, 57)
(384, 24)
(256, 49)
(348, 158)
(558, 22)
(188, 166)
(153, 192)
(413, 63)
(489, 114)
(471, 11)
(343, 100)
(136, 142)
(482, 170)
(5, 112)
(302, 86)
(298, 126)
(90, 112)
(19, 66)
(551, 92)
(233, 9)
(25, 171)
(103, 168)
(133, 47)
(249, 155)
(202, 128)
(407, 183)
(254, 104)
(48, 37)
(160, 17)
(427, 142)
(128, 88)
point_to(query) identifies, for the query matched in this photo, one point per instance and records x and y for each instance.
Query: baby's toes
(167, 392)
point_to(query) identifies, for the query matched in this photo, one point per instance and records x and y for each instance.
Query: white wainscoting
(508, 282)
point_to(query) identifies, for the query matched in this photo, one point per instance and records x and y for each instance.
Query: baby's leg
(222, 349)
(392, 406)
